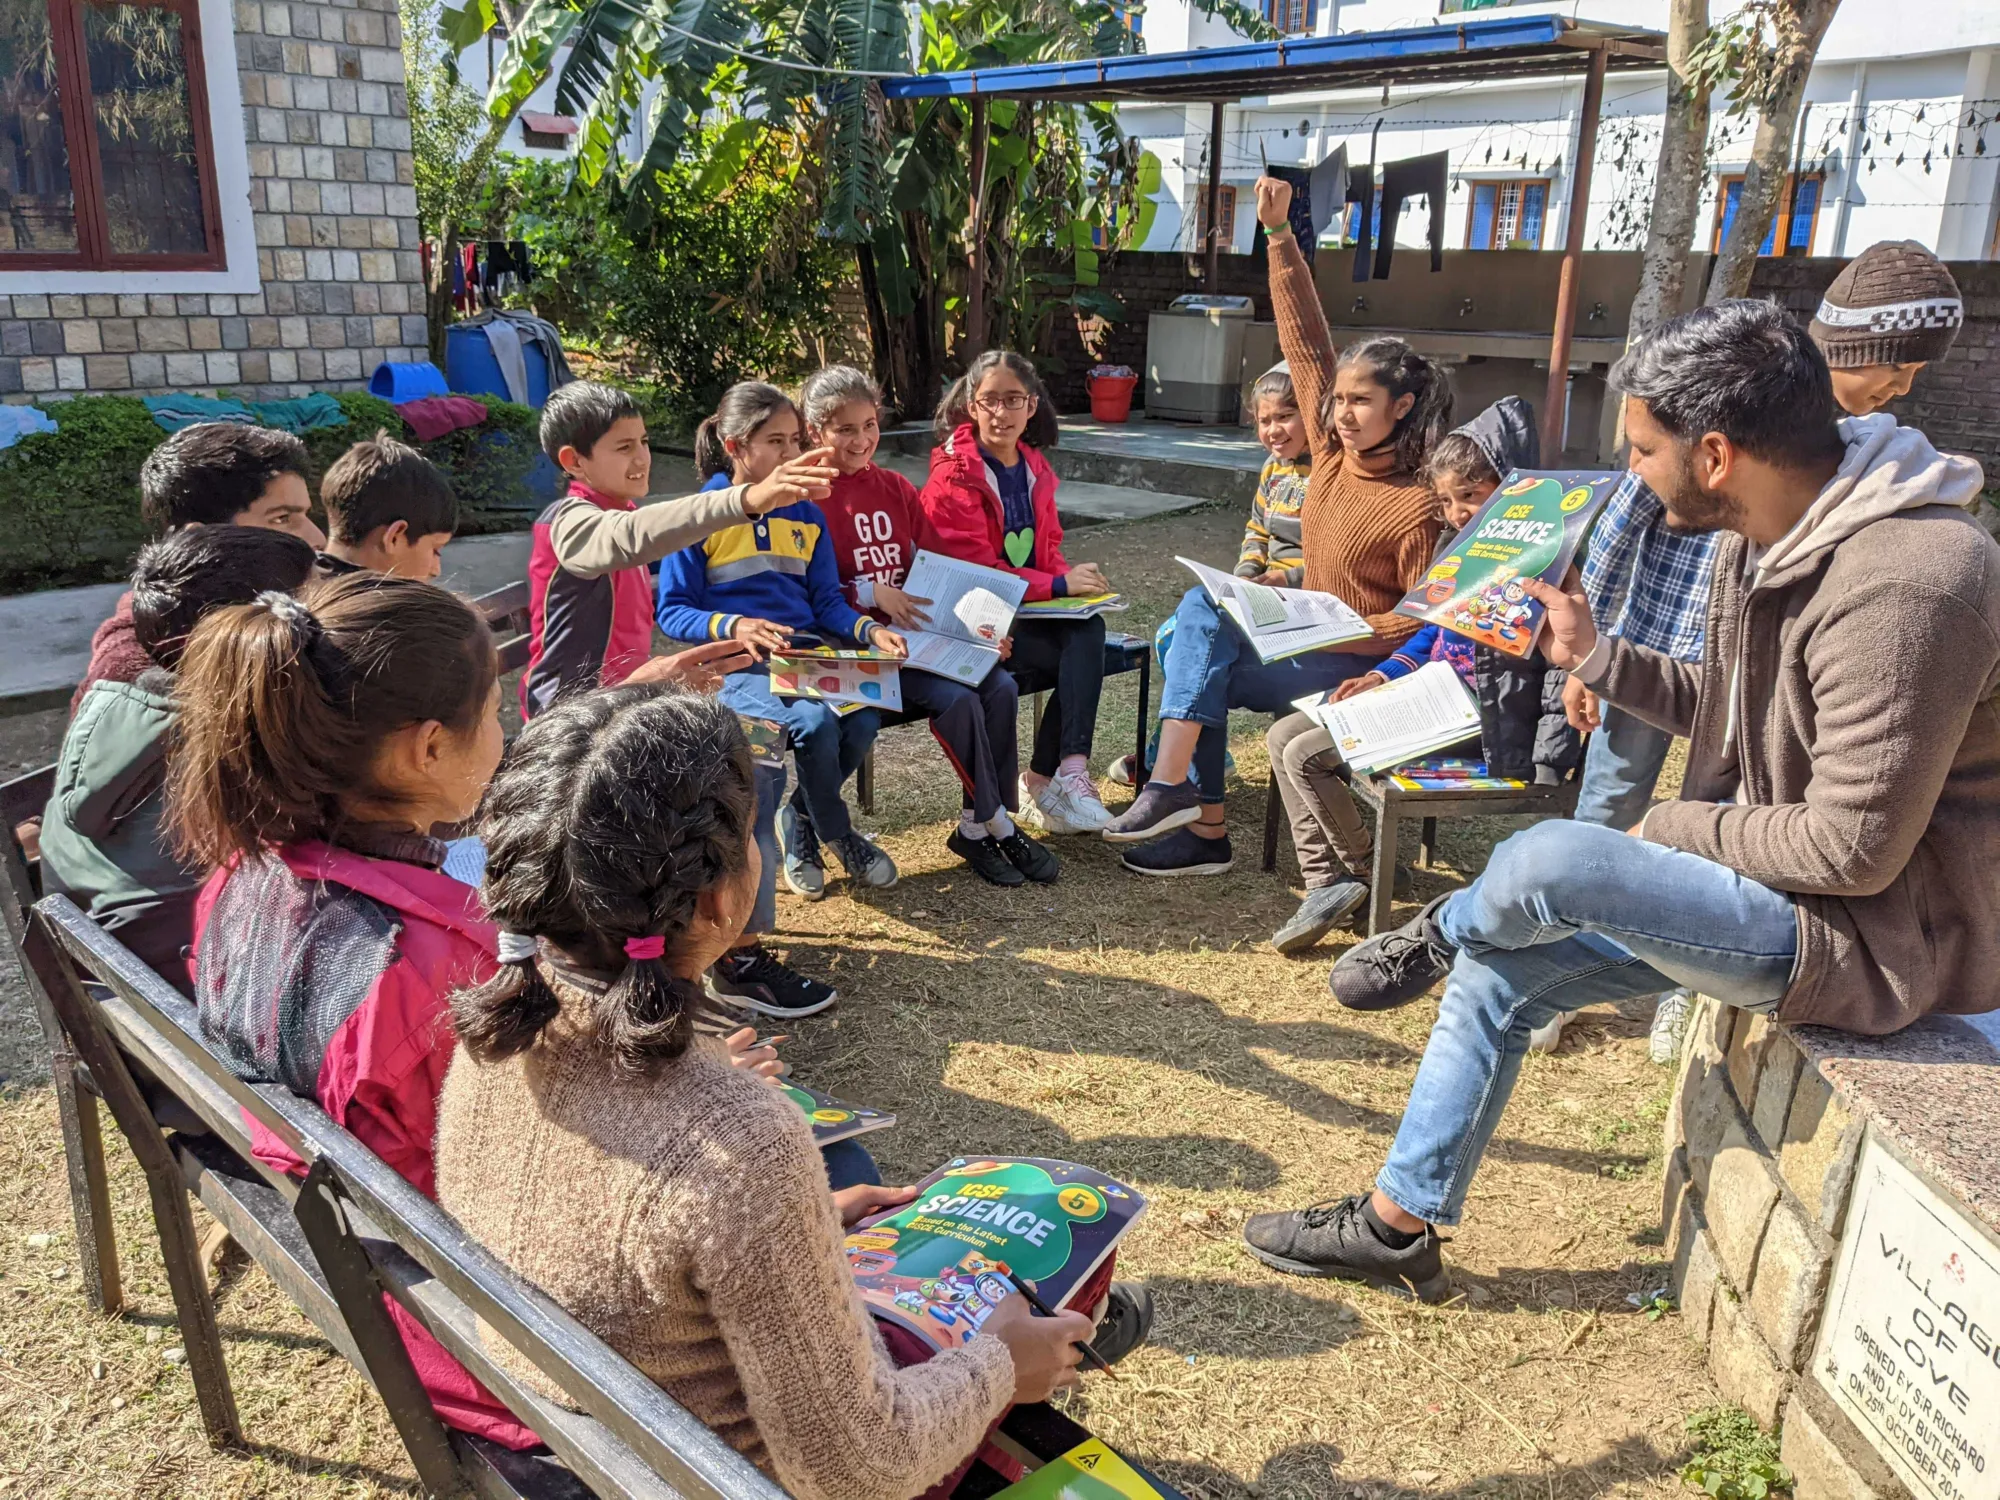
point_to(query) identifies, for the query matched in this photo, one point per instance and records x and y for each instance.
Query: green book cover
(1089, 1471)
(938, 1266)
(834, 1119)
(1531, 527)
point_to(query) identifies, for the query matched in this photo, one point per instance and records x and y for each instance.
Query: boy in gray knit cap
(1891, 311)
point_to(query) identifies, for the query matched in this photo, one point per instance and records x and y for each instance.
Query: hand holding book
(1568, 633)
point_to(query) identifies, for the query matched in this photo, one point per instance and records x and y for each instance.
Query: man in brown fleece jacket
(1835, 855)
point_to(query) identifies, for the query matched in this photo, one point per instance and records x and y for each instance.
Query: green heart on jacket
(1020, 546)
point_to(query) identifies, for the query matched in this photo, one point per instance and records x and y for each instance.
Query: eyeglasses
(1013, 401)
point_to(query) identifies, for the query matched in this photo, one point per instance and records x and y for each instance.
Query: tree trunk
(1800, 26)
(437, 295)
(1678, 183)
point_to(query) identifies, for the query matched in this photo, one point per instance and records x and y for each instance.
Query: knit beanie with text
(1893, 304)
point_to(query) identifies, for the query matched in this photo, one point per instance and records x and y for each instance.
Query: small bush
(1734, 1458)
(69, 499)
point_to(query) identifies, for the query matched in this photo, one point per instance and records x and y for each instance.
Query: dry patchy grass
(1142, 1027)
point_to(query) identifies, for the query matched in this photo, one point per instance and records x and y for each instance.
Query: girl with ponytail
(1367, 529)
(319, 740)
(672, 1202)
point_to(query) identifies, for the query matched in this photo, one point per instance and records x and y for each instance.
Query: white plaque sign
(1910, 1347)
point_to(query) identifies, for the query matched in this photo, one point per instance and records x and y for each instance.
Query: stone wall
(328, 129)
(1761, 1155)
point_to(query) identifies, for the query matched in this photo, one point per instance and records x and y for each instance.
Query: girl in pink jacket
(991, 499)
(321, 739)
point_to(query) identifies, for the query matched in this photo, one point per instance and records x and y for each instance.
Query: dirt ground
(1143, 1027)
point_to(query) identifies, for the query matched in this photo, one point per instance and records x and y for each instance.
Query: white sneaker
(1547, 1038)
(1670, 1021)
(1065, 804)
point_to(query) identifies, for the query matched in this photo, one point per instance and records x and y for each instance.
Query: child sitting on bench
(388, 510)
(103, 845)
(675, 1206)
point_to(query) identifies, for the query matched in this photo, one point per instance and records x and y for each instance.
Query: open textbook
(1280, 622)
(1529, 528)
(1075, 609)
(938, 1266)
(833, 1119)
(843, 680)
(970, 611)
(1398, 721)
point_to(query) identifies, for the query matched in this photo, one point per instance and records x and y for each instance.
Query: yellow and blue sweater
(778, 567)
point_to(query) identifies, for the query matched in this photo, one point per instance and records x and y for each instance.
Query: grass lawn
(1141, 1026)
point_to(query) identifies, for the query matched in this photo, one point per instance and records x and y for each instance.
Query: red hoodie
(966, 519)
(329, 971)
(877, 525)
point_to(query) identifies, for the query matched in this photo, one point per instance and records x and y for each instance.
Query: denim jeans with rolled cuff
(1213, 669)
(826, 747)
(1568, 915)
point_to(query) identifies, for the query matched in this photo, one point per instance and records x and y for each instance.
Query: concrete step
(1209, 463)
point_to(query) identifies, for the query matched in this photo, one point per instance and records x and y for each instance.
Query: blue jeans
(770, 791)
(1213, 669)
(848, 1164)
(826, 747)
(1620, 770)
(1567, 915)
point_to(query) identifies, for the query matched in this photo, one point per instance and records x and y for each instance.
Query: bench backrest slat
(666, 1437)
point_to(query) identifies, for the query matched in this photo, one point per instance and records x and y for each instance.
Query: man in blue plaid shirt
(1649, 585)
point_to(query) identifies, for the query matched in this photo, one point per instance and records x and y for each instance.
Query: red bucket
(1111, 396)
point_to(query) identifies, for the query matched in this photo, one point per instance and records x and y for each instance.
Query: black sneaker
(1182, 852)
(1036, 861)
(1336, 1239)
(989, 862)
(1394, 968)
(1323, 910)
(752, 977)
(1158, 809)
(1127, 1322)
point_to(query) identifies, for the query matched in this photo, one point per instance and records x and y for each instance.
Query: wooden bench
(1122, 653)
(506, 612)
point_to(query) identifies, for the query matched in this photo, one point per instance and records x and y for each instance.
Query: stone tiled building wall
(327, 122)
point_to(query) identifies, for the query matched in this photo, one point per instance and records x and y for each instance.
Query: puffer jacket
(966, 516)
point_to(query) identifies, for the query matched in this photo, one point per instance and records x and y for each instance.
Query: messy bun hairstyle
(614, 811)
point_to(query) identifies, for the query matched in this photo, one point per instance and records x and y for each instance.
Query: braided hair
(614, 811)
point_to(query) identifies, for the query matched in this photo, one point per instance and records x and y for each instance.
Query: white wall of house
(1861, 134)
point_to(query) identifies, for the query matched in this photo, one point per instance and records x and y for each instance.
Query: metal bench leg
(322, 1214)
(1382, 881)
(864, 782)
(1429, 846)
(1273, 805)
(1145, 717)
(179, 1246)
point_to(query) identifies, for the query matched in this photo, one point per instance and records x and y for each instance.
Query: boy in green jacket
(102, 840)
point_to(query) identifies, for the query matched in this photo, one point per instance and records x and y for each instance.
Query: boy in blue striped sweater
(763, 583)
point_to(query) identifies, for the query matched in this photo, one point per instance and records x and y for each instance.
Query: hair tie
(639, 949)
(316, 649)
(518, 948)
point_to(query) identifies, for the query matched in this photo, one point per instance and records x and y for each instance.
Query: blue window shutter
(1770, 237)
(1534, 198)
(1731, 195)
(1481, 237)
(1312, 17)
(1805, 203)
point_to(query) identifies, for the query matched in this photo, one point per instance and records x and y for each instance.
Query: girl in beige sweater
(674, 1204)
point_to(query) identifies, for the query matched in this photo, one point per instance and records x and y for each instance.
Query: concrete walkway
(45, 637)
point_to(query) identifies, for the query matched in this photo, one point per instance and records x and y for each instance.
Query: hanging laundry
(1418, 176)
(431, 417)
(176, 412)
(524, 265)
(17, 422)
(1361, 190)
(305, 414)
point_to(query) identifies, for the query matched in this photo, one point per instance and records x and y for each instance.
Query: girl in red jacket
(877, 525)
(991, 499)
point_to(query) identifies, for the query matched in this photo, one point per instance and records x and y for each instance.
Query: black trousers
(1064, 658)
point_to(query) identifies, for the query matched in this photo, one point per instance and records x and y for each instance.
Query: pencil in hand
(1090, 1355)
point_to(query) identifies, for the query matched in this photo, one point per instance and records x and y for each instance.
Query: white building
(1900, 137)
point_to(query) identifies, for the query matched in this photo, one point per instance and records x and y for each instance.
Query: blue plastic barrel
(398, 382)
(472, 370)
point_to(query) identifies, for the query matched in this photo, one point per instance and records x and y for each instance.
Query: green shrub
(1734, 1458)
(69, 499)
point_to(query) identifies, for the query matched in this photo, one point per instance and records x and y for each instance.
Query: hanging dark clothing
(1419, 176)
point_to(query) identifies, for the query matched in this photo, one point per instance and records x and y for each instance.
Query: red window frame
(86, 178)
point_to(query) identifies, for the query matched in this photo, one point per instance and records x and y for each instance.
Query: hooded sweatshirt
(1844, 742)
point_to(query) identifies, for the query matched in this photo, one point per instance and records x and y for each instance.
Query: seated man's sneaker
(1548, 1036)
(804, 867)
(1030, 858)
(1182, 852)
(1394, 968)
(1323, 910)
(1344, 1239)
(1127, 1322)
(754, 980)
(866, 864)
(1159, 808)
(1670, 1023)
(988, 860)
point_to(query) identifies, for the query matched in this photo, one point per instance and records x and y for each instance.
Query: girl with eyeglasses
(991, 499)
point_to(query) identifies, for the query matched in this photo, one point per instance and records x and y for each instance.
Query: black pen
(1090, 1356)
